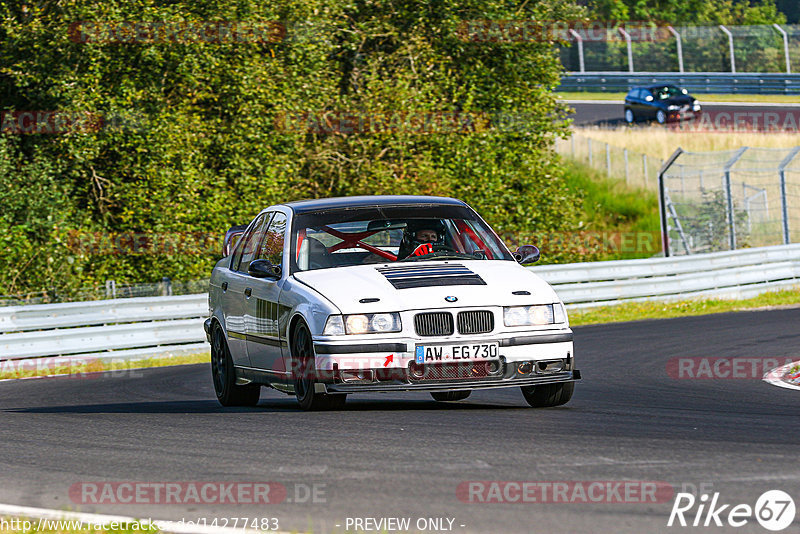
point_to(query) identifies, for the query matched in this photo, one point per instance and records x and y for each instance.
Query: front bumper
(449, 385)
(525, 358)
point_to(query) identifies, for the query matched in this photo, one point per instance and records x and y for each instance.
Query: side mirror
(526, 254)
(232, 237)
(263, 269)
(648, 98)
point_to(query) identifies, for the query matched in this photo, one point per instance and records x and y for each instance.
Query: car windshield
(345, 237)
(667, 92)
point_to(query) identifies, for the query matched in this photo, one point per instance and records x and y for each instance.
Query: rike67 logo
(774, 510)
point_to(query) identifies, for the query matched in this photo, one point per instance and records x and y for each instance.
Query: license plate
(473, 352)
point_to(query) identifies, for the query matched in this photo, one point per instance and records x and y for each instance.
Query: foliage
(654, 309)
(708, 226)
(199, 145)
(690, 12)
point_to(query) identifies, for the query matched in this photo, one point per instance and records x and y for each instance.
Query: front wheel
(548, 395)
(304, 369)
(629, 116)
(450, 396)
(224, 375)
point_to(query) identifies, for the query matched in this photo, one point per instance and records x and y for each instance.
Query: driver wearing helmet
(420, 236)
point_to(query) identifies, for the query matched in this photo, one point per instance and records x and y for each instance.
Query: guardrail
(140, 327)
(119, 328)
(694, 82)
(730, 274)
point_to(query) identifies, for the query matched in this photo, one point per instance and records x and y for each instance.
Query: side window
(246, 250)
(272, 247)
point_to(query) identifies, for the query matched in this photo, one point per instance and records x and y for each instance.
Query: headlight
(673, 108)
(367, 323)
(696, 106)
(542, 314)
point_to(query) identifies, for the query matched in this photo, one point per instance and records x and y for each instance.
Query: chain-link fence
(662, 48)
(713, 201)
(110, 290)
(636, 169)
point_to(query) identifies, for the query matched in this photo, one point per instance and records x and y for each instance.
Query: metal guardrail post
(785, 48)
(729, 196)
(630, 48)
(784, 201)
(111, 289)
(730, 46)
(680, 47)
(578, 38)
(662, 201)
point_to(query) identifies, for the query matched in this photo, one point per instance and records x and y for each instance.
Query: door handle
(248, 292)
(224, 286)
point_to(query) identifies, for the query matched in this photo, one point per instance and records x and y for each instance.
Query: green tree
(199, 146)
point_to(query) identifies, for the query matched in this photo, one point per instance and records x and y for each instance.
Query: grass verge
(777, 99)
(617, 221)
(85, 366)
(635, 311)
(661, 142)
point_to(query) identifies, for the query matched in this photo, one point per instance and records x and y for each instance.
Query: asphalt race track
(609, 114)
(404, 456)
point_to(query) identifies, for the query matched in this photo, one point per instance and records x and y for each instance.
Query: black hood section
(447, 274)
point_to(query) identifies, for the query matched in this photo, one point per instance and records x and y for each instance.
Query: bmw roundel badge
(450, 298)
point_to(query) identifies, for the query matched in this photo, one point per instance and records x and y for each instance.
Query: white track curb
(775, 377)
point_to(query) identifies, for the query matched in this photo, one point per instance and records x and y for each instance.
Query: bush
(193, 140)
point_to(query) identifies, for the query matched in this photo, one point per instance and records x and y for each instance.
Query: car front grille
(450, 371)
(475, 322)
(434, 324)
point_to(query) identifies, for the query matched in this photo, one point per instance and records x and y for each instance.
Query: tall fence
(728, 200)
(653, 47)
(635, 168)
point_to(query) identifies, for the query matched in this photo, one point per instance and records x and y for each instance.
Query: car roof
(654, 86)
(306, 206)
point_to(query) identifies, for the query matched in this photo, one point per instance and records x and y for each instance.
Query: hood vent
(446, 274)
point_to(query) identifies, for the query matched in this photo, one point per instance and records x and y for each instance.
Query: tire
(450, 396)
(630, 118)
(548, 395)
(305, 374)
(661, 117)
(224, 375)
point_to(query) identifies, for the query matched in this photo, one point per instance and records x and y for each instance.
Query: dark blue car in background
(663, 102)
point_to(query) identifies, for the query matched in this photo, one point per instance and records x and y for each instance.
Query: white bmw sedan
(323, 298)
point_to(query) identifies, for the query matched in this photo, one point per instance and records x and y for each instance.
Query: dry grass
(660, 142)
